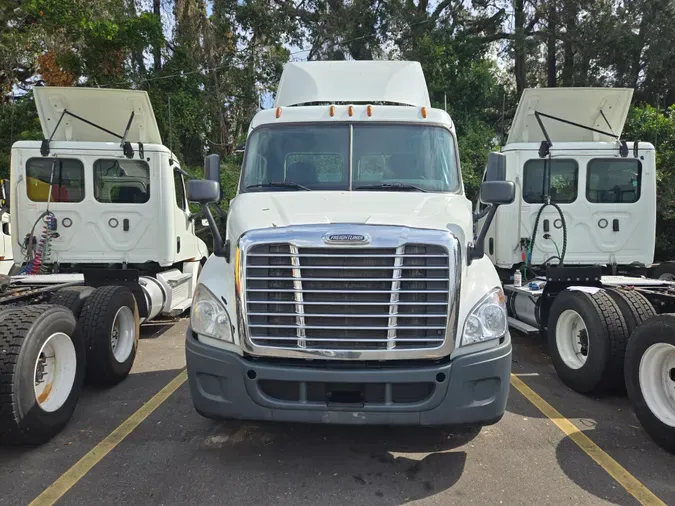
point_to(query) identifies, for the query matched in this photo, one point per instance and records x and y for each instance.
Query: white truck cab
(347, 287)
(564, 148)
(101, 195)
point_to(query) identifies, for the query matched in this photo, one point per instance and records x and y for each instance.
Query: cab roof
(393, 82)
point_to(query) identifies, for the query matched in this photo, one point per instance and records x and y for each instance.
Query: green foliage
(206, 70)
(18, 122)
(647, 124)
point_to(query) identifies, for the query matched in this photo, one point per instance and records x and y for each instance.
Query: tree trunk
(157, 50)
(570, 17)
(551, 46)
(519, 45)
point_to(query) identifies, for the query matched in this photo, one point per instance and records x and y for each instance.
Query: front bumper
(469, 390)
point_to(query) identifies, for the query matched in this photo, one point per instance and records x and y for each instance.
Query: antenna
(170, 129)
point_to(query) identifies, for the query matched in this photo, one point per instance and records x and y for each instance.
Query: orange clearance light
(332, 111)
(424, 112)
(370, 110)
(351, 110)
(278, 112)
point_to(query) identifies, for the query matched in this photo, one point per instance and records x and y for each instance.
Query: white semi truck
(580, 238)
(347, 286)
(103, 241)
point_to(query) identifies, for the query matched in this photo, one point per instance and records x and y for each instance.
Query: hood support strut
(126, 146)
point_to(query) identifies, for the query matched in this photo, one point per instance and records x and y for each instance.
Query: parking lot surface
(167, 454)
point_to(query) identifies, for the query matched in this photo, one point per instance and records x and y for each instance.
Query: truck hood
(251, 211)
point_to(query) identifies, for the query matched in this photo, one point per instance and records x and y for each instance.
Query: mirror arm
(478, 215)
(220, 249)
(477, 250)
(193, 216)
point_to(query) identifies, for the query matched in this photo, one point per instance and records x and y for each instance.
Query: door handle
(615, 225)
(546, 227)
(125, 224)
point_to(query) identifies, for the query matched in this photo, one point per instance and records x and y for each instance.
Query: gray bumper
(470, 390)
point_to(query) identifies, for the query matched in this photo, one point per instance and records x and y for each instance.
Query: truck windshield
(390, 157)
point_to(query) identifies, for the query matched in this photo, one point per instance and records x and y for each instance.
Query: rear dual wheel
(42, 365)
(110, 326)
(650, 378)
(587, 335)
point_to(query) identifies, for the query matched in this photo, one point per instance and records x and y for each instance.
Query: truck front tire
(587, 337)
(110, 325)
(42, 365)
(650, 378)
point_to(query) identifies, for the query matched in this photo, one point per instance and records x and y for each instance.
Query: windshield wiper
(390, 186)
(278, 185)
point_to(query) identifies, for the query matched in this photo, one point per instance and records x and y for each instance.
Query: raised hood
(107, 108)
(579, 105)
(251, 211)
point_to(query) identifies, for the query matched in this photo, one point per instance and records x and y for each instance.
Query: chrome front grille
(348, 298)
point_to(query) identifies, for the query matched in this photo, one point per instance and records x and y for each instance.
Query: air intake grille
(347, 298)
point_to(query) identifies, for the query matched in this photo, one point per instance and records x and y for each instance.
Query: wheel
(650, 378)
(42, 364)
(665, 271)
(634, 307)
(72, 297)
(587, 337)
(109, 323)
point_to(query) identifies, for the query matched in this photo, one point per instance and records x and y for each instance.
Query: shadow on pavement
(388, 464)
(608, 421)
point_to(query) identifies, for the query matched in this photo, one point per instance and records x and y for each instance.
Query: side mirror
(497, 192)
(496, 167)
(212, 168)
(494, 193)
(204, 192)
(200, 191)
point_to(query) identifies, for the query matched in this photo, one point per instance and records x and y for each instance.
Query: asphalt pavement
(174, 456)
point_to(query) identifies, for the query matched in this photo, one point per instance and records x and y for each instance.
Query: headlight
(487, 320)
(208, 316)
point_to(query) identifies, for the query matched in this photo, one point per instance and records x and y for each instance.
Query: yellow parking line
(632, 485)
(85, 464)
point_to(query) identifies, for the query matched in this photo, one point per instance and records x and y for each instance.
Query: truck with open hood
(575, 249)
(348, 286)
(103, 240)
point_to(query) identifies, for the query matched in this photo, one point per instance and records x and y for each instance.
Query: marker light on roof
(424, 112)
(332, 111)
(370, 110)
(278, 112)
(351, 110)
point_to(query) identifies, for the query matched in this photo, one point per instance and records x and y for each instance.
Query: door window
(563, 185)
(180, 189)
(65, 175)
(121, 181)
(613, 181)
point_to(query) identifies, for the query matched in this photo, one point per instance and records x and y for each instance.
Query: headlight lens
(487, 320)
(208, 316)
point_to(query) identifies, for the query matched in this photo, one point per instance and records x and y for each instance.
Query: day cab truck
(580, 234)
(347, 286)
(103, 241)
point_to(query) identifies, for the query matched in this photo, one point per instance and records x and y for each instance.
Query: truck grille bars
(354, 299)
